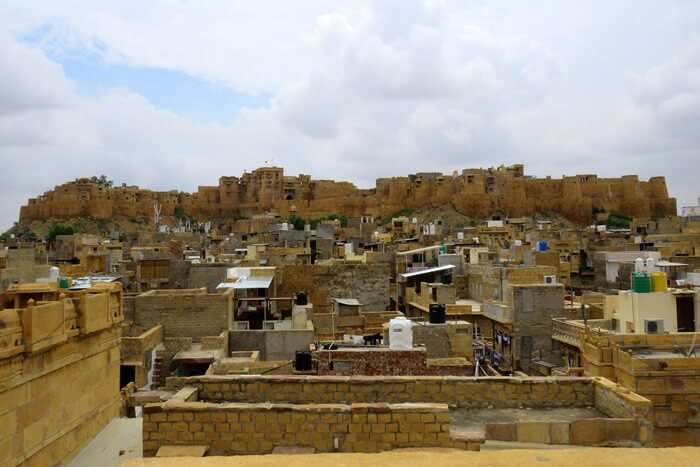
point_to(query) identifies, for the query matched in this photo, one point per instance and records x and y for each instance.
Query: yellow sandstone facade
(474, 192)
(59, 370)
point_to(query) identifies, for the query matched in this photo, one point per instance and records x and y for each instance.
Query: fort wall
(476, 193)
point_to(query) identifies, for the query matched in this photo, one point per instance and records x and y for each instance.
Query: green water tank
(63, 283)
(641, 282)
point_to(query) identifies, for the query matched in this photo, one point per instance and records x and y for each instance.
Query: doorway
(685, 313)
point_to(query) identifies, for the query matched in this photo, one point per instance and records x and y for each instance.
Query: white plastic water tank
(53, 273)
(400, 334)
(639, 265)
(650, 265)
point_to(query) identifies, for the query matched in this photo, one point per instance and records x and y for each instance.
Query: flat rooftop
(649, 353)
(612, 457)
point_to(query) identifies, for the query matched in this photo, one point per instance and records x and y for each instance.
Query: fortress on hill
(475, 192)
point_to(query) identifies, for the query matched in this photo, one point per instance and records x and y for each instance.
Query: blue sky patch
(191, 97)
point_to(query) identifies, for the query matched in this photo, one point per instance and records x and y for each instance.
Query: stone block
(588, 432)
(669, 437)
(559, 433)
(533, 432)
(94, 313)
(501, 431)
(620, 429)
(667, 418)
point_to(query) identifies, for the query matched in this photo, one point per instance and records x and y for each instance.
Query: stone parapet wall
(184, 313)
(377, 361)
(670, 381)
(460, 391)
(52, 403)
(233, 428)
(583, 432)
(133, 348)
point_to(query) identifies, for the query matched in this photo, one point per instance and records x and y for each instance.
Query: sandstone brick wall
(582, 432)
(184, 315)
(382, 361)
(207, 275)
(671, 384)
(59, 400)
(533, 310)
(453, 339)
(369, 283)
(457, 390)
(133, 348)
(258, 428)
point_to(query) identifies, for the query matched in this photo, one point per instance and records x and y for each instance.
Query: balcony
(570, 331)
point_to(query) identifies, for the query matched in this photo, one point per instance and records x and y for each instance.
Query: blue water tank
(542, 245)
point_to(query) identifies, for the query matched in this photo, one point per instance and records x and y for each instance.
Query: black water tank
(301, 298)
(437, 313)
(302, 362)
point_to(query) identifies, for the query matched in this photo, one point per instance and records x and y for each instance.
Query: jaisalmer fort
(472, 237)
(473, 192)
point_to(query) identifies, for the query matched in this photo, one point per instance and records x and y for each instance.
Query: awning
(347, 301)
(418, 250)
(668, 264)
(248, 283)
(428, 271)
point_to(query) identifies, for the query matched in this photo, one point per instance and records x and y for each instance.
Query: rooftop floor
(612, 457)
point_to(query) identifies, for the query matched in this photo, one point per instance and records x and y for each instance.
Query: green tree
(102, 180)
(618, 221)
(59, 229)
(296, 221)
(341, 217)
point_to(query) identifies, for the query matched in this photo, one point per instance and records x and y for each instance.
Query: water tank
(437, 313)
(302, 360)
(649, 265)
(658, 282)
(64, 282)
(301, 298)
(542, 245)
(641, 282)
(400, 334)
(638, 265)
(53, 274)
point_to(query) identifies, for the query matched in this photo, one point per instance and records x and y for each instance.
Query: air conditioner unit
(655, 326)
(550, 279)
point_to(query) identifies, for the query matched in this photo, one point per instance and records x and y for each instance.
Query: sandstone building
(474, 192)
(59, 370)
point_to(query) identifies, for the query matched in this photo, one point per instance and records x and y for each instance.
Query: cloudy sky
(174, 93)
